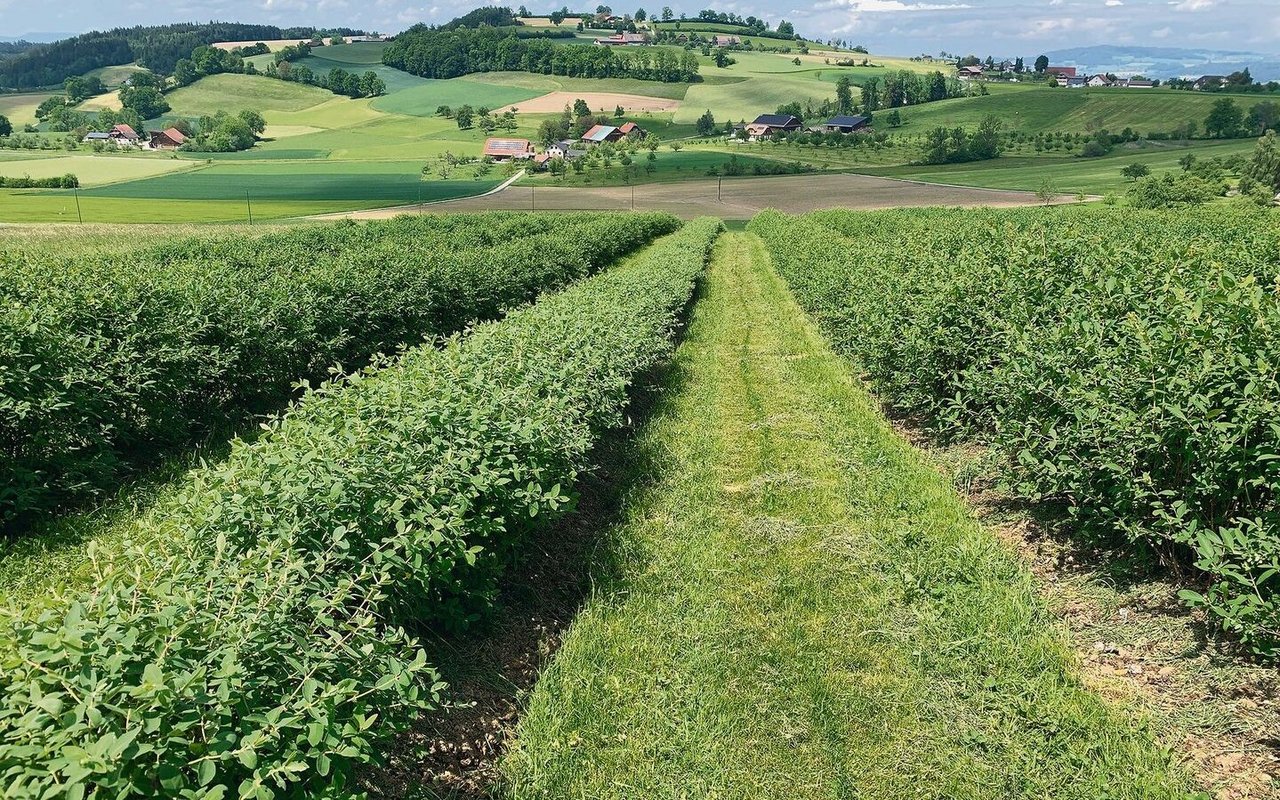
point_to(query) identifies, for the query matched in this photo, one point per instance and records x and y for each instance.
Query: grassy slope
(232, 93)
(804, 608)
(94, 170)
(21, 108)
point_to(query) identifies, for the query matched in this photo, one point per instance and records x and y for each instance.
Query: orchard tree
(6, 127)
(1225, 119)
(464, 116)
(1264, 165)
(1135, 171)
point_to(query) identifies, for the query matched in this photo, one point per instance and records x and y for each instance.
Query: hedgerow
(258, 647)
(1121, 364)
(108, 361)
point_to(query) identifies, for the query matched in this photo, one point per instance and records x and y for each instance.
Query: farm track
(795, 604)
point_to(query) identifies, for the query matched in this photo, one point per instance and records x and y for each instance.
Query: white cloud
(1113, 3)
(1192, 5)
(1161, 33)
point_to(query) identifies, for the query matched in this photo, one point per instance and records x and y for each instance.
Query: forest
(436, 53)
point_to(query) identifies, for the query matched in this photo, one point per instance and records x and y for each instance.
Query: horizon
(891, 27)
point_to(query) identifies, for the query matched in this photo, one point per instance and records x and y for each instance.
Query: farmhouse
(600, 134)
(1209, 82)
(564, 150)
(507, 149)
(97, 136)
(1073, 81)
(1061, 72)
(770, 124)
(845, 124)
(631, 130)
(623, 40)
(123, 134)
(167, 139)
(1098, 80)
(725, 41)
(1137, 83)
(969, 73)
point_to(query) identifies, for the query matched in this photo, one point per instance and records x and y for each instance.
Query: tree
(985, 142)
(676, 147)
(1135, 171)
(618, 111)
(465, 116)
(372, 85)
(1187, 162)
(844, 95)
(523, 12)
(893, 119)
(721, 58)
(146, 100)
(184, 72)
(6, 127)
(641, 15)
(706, 124)
(580, 108)
(1263, 117)
(1042, 64)
(786, 28)
(667, 14)
(1047, 192)
(1225, 119)
(1019, 66)
(254, 120)
(1264, 165)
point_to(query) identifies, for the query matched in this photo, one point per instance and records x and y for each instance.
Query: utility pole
(633, 197)
(719, 192)
(533, 206)
(79, 216)
(249, 206)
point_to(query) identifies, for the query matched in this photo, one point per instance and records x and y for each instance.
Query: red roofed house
(508, 149)
(1061, 72)
(167, 139)
(123, 134)
(631, 129)
(602, 133)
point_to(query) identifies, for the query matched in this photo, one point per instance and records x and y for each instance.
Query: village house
(767, 125)
(599, 134)
(167, 139)
(631, 130)
(725, 41)
(1073, 81)
(1096, 81)
(1138, 83)
(508, 149)
(969, 73)
(1061, 72)
(845, 124)
(97, 136)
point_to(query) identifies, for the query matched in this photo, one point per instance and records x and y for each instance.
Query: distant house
(507, 149)
(600, 134)
(969, 73)
(1061, 72)
(1073, 81)
(1209, 82)
(167, 139)
(123, 134)
(725, 41)
(631, 130)
(845, 124)
(97, 136)
(769, 124)
(1141, 83)
(623, 40)
(565, 150)
(1098, 80)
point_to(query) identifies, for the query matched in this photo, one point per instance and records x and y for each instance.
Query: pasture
(232, 93)
(94, 170)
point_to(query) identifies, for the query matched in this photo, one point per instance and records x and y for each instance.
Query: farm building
(1209, 82)
(97, 136)
(564, 150)
(1061, 72)
(623, 40)
(1096, 81)
(1139, 83)
(167, 139)
(969, 73)
(631, 130)
(600, 134)
(508, 149)
(123, 134)
(770, 124)
(1073, 81)
(845, 124)
(725, 41)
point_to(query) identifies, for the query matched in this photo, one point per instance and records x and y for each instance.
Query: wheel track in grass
(800, 606)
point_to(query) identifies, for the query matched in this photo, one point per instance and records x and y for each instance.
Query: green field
(21, 108)
(423, 99)
(112, 77)
(94, 170)
(233, 93)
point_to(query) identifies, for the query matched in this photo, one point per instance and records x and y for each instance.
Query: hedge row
(106, 362)
(259, 648)
(1123, 364)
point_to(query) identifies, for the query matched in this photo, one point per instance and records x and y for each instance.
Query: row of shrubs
(106, 362)
(262, 644)
(1123, 365)
(67, 181)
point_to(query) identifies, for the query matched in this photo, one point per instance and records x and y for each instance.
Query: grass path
(798, 606)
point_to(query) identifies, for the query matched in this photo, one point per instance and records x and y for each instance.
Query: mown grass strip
(260, 644)
(802, 608)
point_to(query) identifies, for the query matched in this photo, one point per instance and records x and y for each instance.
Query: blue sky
(899, 27)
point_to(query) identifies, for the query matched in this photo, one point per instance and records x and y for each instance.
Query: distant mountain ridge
(1167, 62)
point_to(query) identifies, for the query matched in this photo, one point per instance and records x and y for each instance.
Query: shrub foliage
(261, 645)
(1124, 364)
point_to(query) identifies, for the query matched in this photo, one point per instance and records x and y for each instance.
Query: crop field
(93, 170)
(21, 108)
(423, 99)
(233, 93)
(317, 461)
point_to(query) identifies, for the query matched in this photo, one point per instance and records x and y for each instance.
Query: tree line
(436, 53)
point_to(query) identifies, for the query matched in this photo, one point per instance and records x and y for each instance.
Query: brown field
(274, 44)
(735, 198)
(604, 102)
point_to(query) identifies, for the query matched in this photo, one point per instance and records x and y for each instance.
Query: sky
(1002, 28)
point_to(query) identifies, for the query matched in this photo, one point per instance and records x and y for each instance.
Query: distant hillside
(156, 47)
(1167, 62)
